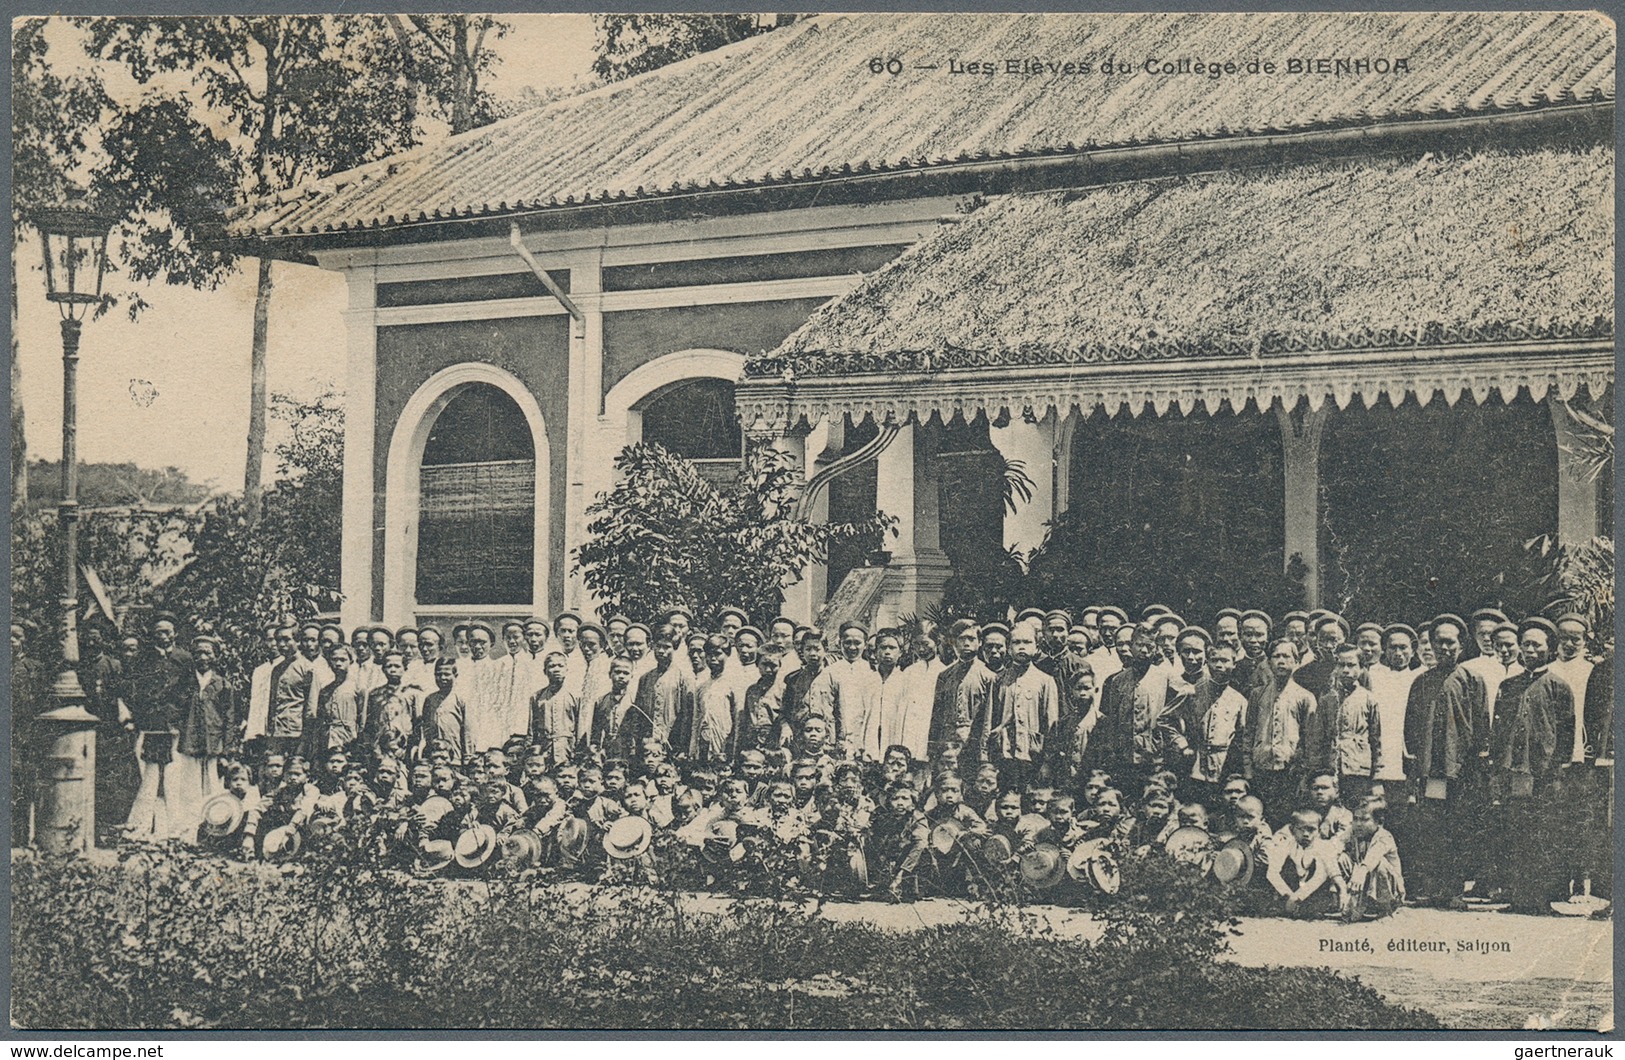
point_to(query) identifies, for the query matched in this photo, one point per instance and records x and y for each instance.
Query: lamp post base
(65, 795)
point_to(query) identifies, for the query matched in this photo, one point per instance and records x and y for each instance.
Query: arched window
(477, 503)
(696, 419)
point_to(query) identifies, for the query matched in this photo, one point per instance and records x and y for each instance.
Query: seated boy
(1303, 869)
(1375, 882)
(1064, 830)
(898, 839)
(1335, 819)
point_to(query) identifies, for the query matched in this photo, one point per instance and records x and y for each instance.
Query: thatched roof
(1277, 262)
(800, 105)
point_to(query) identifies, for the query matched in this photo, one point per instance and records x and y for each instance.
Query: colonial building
(1286, 246)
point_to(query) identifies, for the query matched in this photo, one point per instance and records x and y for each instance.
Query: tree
(447, 55)
(241, 574)
(664, 534)
(240, 107)
(628, 45)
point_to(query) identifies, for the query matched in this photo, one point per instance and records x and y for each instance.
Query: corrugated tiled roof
(1374, 253)
(801, 102)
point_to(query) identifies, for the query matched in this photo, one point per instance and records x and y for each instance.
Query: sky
(171, 390)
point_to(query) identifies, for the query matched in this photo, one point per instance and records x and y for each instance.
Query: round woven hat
(1043, 866)
(627, 838)
(996, 849)
(519, 849)
(475, 846)
(436, 854)
(283, 843)
(945, 836)
(1233, 863)
(1188, 844)
(222, 815)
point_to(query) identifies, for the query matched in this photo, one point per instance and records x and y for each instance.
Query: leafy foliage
(131, 551)
(628, 45)
(245, 573)
(665, 534)
(170, 938)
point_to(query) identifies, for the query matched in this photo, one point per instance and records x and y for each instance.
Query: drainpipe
(578, 319)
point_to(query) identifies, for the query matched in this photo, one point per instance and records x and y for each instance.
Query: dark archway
(1183, 510)
(696, 419)
(477, 503)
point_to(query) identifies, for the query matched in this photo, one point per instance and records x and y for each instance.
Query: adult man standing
(1056, 660)
(665, 696)
(566, 631)
(296, 687)
(947, 720)
(420, 671)
(1529, 745)
(1447, 739)
(1227, 630)
(1573, 666)
(1252, 665)
(635, 643)
(1104, 660)
(718, 702)
(207, 728)
(555, 714)
(1023, 706)
(366, 672)
(1112, 748)
(887, 721)
(157, 689)
(1487, 662)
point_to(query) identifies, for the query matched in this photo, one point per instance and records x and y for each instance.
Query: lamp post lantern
(75, 246)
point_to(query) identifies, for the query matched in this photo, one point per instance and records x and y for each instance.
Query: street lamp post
(75, 245)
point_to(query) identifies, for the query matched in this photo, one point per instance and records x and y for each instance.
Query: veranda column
(1032, 443)
(1576, 496)
(906, 487)
(1300, 451)
(358, 522)
(585, 397)
(798, 598)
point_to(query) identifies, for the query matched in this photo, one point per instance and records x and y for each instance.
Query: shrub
(168, 938)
